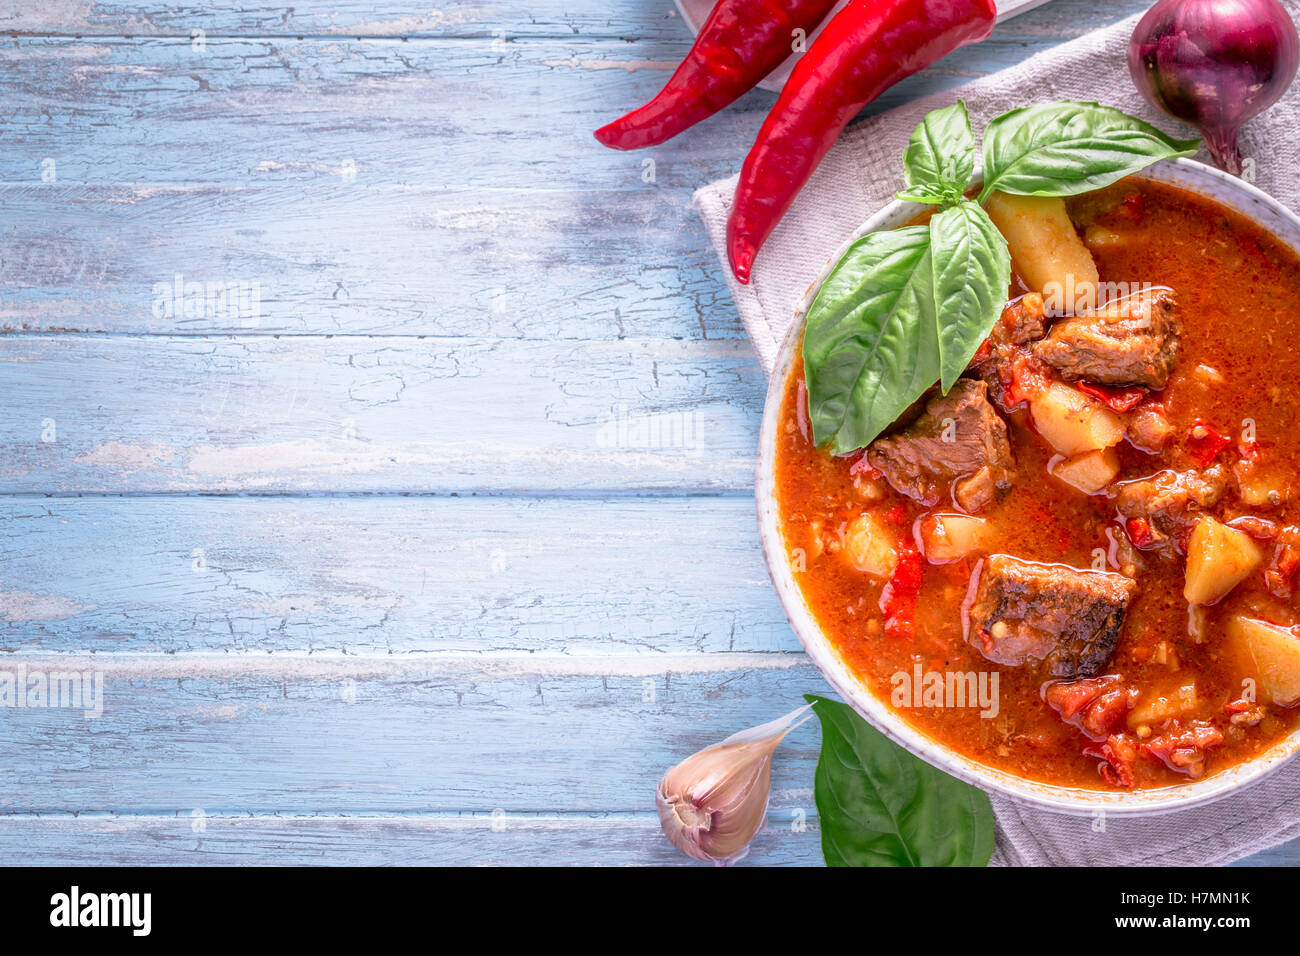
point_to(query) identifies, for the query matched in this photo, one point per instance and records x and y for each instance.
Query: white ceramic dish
(1189, 175)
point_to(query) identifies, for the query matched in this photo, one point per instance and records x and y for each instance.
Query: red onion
(1214, 64)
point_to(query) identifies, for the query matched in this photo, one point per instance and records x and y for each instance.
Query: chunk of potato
(1160, 707)
(1046, 250)
(1260, 490)
(1073, 422)
(1218, 559)
(1272, 656)
(870, 546)
(1090, 472)
(948, 537)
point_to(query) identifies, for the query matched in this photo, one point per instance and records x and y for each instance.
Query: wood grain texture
(443, 551)
(578, 577)
(479, 839)
(251, 734)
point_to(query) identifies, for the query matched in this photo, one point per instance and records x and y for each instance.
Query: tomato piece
(896, 515)
(898, 598)
(1117, 754)
(1115, 398)
(1097, 706)
(1204, 443)
(1028, 379)
(1183, 747)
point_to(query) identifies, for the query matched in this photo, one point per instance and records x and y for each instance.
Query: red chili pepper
(1204, 443)
(862, 51)
(898, 598)
(740, 43)
(1115, 398)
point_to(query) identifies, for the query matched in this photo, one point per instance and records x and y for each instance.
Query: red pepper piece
(1139, 531)
(740, 43)
(862, 51)
(898, 598)
(1115, 398)
(1204, 443)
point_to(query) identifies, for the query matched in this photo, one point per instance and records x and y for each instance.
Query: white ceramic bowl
(1193, 176)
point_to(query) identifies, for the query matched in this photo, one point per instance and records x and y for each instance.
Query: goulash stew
(1100, 513)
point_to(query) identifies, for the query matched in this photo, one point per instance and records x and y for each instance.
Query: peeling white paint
(17, 606)
(127, 459)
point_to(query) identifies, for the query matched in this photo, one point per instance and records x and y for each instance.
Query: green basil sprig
(876, 338)
(877, 805)
(940, 157)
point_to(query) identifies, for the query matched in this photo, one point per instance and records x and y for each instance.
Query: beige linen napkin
(859, 175)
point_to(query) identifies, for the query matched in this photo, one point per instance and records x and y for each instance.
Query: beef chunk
(1023, 320)
(1066, 618)
(1133, 341)
(958, 442)
(1160, 508)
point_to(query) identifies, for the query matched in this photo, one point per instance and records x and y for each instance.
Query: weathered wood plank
(261, 414)
(456, 113)
(606, 840)
(615, 20)
(257, 734)
(352, 260)
(367, 186)
(574, 577)
(346, 18)
(468, 839)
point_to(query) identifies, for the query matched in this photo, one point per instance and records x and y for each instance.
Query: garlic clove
(713, 803)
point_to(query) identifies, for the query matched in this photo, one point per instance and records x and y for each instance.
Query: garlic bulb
(714, 802)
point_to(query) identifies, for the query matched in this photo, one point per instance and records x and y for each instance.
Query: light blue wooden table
(417, 528)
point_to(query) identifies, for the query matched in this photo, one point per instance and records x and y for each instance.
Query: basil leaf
(972, 271)
(940, 157)
(938, 195)
(871, 343)
(877, 805)
(1067, 148)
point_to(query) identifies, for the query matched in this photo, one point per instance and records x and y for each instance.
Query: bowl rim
(1205, 181)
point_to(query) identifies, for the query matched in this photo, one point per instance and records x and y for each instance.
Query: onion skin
(1214, 64)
